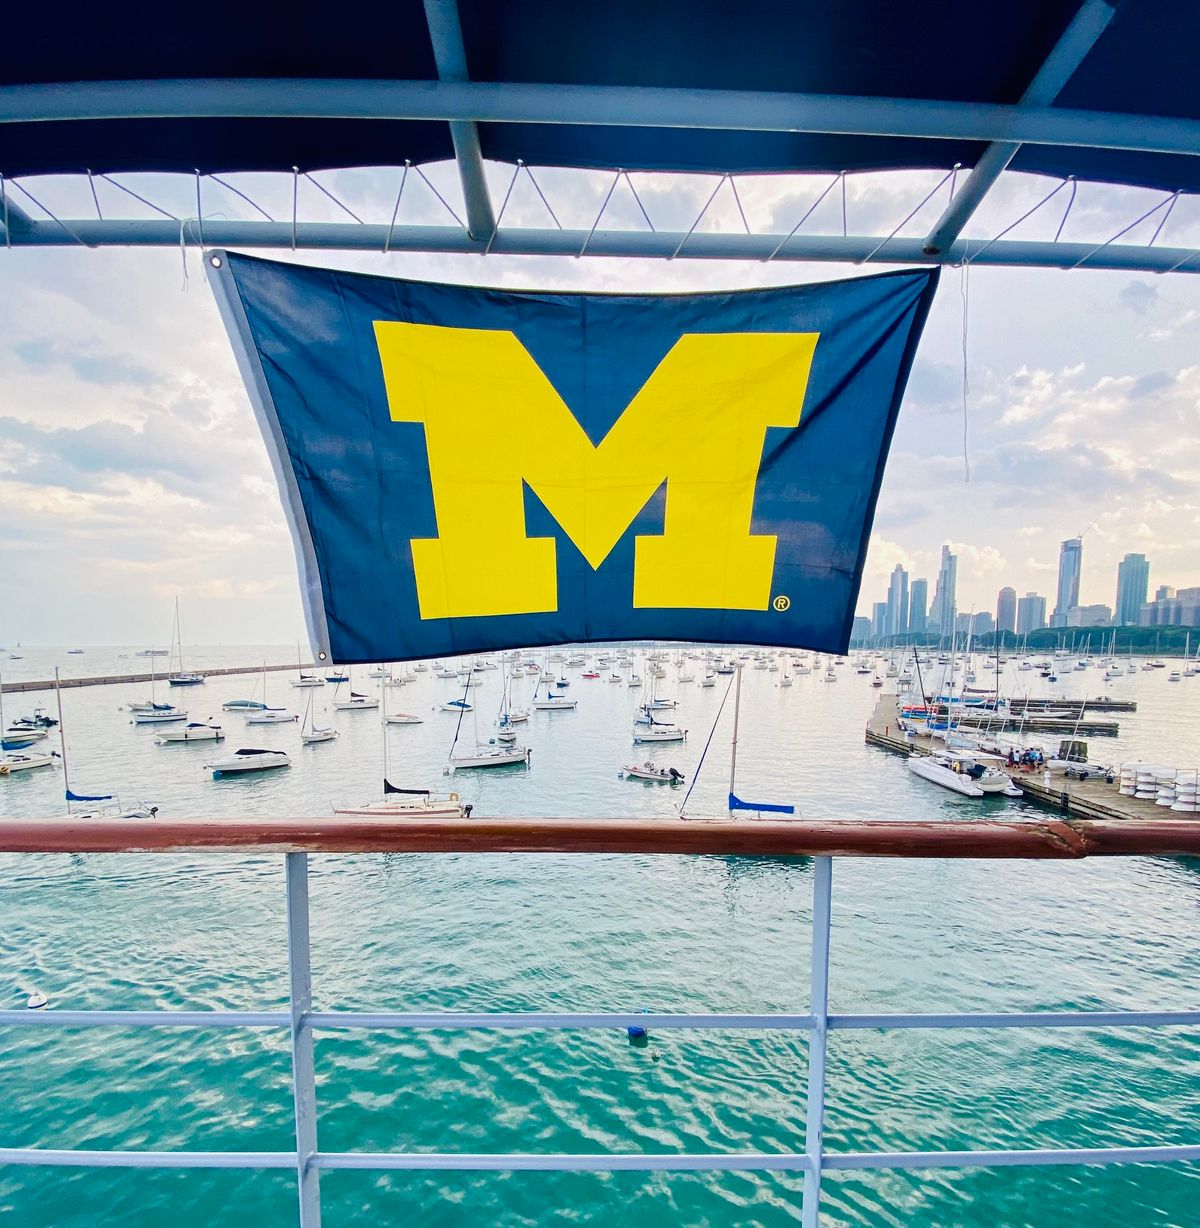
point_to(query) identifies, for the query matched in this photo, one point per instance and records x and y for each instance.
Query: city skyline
(1130, 606)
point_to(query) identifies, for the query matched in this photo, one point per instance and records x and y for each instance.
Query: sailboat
(180, 677)
(154, 713)
(357, 702)
(18, 760)
(92, 805)
(496, 753)
(302, 679)
(265, 715)
(552, 702)
(310, 732)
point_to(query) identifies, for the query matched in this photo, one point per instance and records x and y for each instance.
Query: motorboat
(969, 774)
(271, 716)
(193, 731)
(19, 739)
(185, 679)
(457, 705)
(403, 718)
(241, 705)
(647, 771)
(159, 714)
(486, 756)
(23, 763)
(248, 760)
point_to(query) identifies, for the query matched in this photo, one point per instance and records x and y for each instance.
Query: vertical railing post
(304, 1086)
(814, 1125)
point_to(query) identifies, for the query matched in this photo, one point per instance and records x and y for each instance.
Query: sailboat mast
(737, 711)
(62, 734)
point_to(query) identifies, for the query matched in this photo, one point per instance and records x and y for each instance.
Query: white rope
(500, 216)
(323, 189)
(445, 202)
(130, 192)
(1167, 200)
(738, 201)
(638, 199)
(53, 217)
(932, 193)
(396, 211)
(808, 213)
(237, 192)
(537, 188)
(699, 217)
(604, 205)
(95, 198)
(1029, 213)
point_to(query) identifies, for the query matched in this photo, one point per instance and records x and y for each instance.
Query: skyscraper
(1070, 560)
(1031, 613)
(918, 600)
(879, 620)
(897, 602)
(941, 613)
(1006, 610)
(1133, 583)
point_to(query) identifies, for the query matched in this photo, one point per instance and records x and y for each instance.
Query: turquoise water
(583, 933)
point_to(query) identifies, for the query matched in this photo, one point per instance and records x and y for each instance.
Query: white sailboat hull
(486, 757)
(191, 733)
(271, 717)
(407, 807)
(659, 735)
(158, 718)
(318, 735)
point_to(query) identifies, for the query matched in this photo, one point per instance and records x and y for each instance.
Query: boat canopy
(1074, 89)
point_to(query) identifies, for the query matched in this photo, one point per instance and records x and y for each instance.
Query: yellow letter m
(494, 421)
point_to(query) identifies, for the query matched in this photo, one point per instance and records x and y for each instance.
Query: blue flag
(467, 469)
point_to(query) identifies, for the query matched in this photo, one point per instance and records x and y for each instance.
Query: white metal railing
(301, 1020)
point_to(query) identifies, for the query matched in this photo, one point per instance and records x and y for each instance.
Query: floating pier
(1086, 799)
(1073, 707)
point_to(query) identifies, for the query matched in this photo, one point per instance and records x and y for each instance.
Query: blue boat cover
(467, 469)
(89, 797)
(985, 51)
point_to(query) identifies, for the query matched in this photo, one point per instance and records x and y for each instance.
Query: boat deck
(1086, 799)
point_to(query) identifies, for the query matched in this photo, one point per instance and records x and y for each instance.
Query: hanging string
(964, 290)
(808, 213)
(396, 211)
(704, 752)
(932, 193)
(512, 183)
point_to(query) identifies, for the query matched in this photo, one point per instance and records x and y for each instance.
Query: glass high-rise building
(1006, 610)
(918, 602)
(1133, 583)
(1031, 613)
(897, 602)
(941, 613)
(1070, 562)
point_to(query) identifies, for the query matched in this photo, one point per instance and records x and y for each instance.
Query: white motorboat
(969, 774)
(236, 705)
(248, 760)
(457, 705)
(647, 771)
(403, 718)
(271, 716)
(193, 731)
(490, 756)
(20, 762)
(159, 714)
(19, 739)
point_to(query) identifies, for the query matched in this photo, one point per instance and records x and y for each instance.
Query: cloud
(1154, 381)
(88, 363)
(1140, 297)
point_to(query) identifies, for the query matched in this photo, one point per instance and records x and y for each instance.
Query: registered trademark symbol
(782, 603)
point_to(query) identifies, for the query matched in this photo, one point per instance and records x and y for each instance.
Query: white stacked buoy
(1187, 791)
(1129, 773)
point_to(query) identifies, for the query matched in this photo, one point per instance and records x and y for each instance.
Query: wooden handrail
(985, 838)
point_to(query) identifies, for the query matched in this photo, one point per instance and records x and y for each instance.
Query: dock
(1031, 722)
(15, 688)
(1085, 799)
(1072, 707)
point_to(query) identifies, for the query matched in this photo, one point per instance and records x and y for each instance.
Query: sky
(132, 470)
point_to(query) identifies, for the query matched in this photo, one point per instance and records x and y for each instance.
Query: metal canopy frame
(463, 104)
